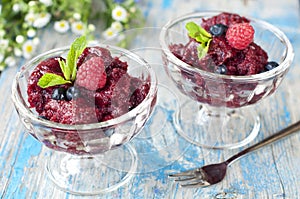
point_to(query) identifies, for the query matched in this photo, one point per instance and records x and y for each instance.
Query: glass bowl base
(216, 127)
(92, 175)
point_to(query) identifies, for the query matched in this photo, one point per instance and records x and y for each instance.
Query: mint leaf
(200, 35)
(66, 71)
(51, 79)
(192, 29)
(68, 67)
(76, 49)
(203, 49)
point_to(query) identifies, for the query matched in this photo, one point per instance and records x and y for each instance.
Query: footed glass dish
(88, 159)
(217, 113)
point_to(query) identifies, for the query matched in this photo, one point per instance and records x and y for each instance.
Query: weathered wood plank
(272, 172)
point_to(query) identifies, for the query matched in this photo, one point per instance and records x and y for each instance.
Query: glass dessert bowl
(220, 84)
(85, 157)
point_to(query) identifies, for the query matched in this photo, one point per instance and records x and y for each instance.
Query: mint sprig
(68, 67)
(200, 35)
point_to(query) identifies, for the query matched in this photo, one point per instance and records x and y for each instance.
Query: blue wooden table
(272, 172)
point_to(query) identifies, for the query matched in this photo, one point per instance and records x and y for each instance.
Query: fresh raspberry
(239, 36)
(91, 74)
(95, 52)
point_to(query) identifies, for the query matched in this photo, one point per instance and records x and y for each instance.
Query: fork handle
(269, 140)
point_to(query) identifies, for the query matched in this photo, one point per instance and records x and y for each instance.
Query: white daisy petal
(17, 52)
(91, 27)
(16, 7)
(119, 13)
(61, 26)
(109, 33)
(77, 16)
(36, 41)
(1, 57)
(2, 33)
(31, 33)
(30, 18)
(4, 43)
(28, 49)
(10, 61)
(46, 2)
(117, 26)
(42, 20)
(20, 39)
(78, 27)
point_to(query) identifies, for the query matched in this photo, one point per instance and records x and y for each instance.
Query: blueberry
(43, 117)
(59, 94)
(221, 69)
(72, 93)
(271, 65)
(218, 29)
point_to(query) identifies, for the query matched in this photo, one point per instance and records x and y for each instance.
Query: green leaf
(68, 67)
(197, 32)
(192, 29)
(76, 49)
(51, 79)
(201, 52)
(64, 69)
(200, 35)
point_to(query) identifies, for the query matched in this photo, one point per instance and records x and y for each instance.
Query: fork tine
(196, 184)
(184, 173)
(185, 179)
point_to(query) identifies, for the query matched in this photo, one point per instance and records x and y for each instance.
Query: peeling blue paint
(166, 4)
(29, 148)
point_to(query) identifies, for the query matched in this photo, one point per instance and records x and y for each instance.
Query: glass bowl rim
(16, 98)
(289, 54)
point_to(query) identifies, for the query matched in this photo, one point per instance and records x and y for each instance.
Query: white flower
(1, 57)
(28, 49)
(119, 13)
(78, 27)
(31, 33)
(132, 9)
(36, 41)
(3, 43)
(109, 33)
(16, 7)
(30, 18)
(17, 52)
(77, 16)
(2, 33)
(20, 39)
(42, 20)
(10, 61)
(31, 3)
(61, 26)
(117, 26)
(91, 27)
(47, 2)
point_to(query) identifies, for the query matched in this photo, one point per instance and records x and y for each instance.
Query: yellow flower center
(110, 33)
(28, 49)
(62, 25)
(79, 27)
(119, 13)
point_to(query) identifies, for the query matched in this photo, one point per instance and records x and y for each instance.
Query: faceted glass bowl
(218, 95)
(88, 143)
(226, 90)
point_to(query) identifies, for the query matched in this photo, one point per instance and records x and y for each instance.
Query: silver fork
(214, 173)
